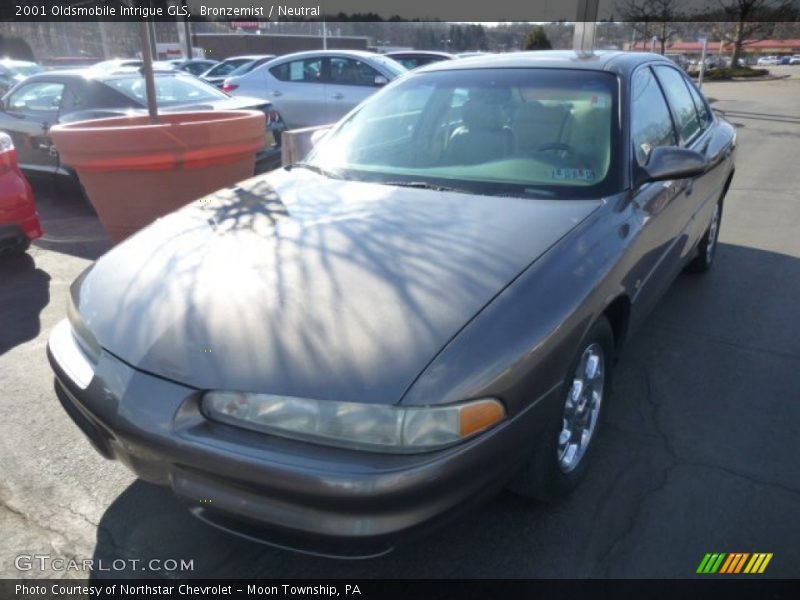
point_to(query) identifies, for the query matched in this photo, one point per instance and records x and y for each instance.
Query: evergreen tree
(537, 39)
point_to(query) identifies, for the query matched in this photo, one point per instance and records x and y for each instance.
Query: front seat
(481, 136)
(537, 125)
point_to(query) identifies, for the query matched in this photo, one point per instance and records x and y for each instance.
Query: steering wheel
(566, 150)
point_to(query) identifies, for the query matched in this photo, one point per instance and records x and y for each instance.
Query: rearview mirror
(381, 80)
(670, 162)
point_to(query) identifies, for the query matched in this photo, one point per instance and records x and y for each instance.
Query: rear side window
(680, 99)
(226, 67)
(41, 96)
(651, 123)
(308, 70)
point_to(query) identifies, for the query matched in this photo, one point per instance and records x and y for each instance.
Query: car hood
(296, 284)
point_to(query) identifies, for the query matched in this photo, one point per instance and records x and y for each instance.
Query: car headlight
(86, 340)
(370, 427)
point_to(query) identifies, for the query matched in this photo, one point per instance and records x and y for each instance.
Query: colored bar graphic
(765, 563)
(703, 563)
(728, 564)
(734, 563)
(715, 566)
(701, 568)
(754, 562)
(741, 562)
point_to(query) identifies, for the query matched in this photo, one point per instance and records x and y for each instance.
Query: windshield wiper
(315, 169)
(425, 185)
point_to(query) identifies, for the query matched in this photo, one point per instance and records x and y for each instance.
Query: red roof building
(759, 47)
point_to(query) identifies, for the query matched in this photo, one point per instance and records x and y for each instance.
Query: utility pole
(149, 78)
(184, 31)
(585, 26)
(104, 39)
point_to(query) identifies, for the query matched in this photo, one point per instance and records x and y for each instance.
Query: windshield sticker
(573, 174)
(600, 101)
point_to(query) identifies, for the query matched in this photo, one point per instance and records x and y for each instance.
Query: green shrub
(728, 73)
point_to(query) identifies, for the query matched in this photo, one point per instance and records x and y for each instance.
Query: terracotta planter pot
(134, 171)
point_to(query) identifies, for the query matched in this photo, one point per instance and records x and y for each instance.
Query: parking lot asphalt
(699, 452)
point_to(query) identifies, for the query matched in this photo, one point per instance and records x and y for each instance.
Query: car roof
(93, 75)
(350, 53)
(246, 57)
(616, 61)
(419, 53)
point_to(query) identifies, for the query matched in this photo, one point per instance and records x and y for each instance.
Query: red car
(19, 221)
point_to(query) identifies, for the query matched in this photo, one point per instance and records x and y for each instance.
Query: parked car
(14, 71)
(767, 61)
(418, 58)
(795, 60)
(717, 62)
(249, 66)
(678, 59)
(216, 75)
(29, 109)
(316, 87)
(194, 66)
(115, 64)
(344, 351)
(19, 221)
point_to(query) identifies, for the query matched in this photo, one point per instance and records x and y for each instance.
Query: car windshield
(526, 132)
(227, 67)
(391, 65)
(170, 89)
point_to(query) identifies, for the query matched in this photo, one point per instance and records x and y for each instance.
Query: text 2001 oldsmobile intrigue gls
(336, 355)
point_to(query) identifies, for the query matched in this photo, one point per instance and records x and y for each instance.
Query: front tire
(561, 458)
(707, 247)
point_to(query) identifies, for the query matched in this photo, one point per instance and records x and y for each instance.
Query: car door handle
(277, 93)
(338, 96)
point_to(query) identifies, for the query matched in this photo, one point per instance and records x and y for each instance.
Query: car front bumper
(297, 495)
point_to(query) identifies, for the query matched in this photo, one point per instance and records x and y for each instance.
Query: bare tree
(656, 18)
(749, 21)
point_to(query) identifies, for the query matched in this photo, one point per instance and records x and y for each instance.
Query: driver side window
(42, 97)
(651, 123)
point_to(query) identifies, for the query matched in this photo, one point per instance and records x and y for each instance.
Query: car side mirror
(381, 80)
(670, 162)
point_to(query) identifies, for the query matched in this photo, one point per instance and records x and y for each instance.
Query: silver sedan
(318, 87)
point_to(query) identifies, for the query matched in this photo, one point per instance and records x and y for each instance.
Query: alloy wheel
(581, 408)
